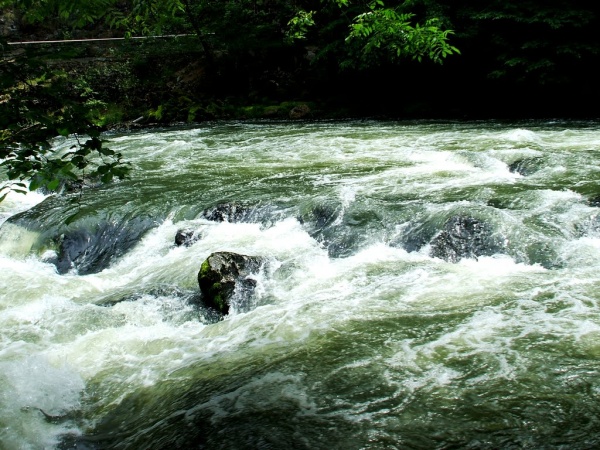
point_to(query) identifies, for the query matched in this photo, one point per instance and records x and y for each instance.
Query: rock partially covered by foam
(186, 237)
(227, 277)
(229, 212)
(526, 166)
(464, 237)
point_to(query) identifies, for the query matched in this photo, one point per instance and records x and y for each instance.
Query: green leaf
(94, 143)
(53, 185)
(79, 161)
(107, 177)
(106, 151)
(104, 169)
(35, 183)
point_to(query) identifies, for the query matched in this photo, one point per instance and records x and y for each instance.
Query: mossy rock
(271, 112)
(225, 277)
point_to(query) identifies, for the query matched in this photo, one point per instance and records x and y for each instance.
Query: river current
(361, 333)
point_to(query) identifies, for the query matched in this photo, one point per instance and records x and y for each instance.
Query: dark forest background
(517, 59)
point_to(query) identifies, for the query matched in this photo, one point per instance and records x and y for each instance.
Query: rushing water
(359, 335)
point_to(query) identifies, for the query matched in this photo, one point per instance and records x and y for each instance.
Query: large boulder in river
(464, 237)
(225, 277)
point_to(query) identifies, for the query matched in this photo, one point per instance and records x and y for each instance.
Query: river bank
(170, 81)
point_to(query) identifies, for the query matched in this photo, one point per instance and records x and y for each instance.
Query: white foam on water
(583, 253)
(484, 339)
(32, 388)
(132, 344)
(15, 203)
(504, 339)
(523, 135)
(152, 332)
(16, 241)
(23, 281)
(260, 394)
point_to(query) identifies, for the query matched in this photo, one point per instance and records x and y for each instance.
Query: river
(363, 332)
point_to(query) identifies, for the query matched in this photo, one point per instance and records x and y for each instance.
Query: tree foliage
(76, 12)
(376, 33)
(385, 35)
(535, 41)
(37, 105)
(148, 17)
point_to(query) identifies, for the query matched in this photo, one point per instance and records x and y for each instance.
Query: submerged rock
(414, 236)
(464, 237)
(235, 212)
(86, 242)
(340, 230)
(319, 217)
(525, 166)
(224, 276)
(92, 250)
(544, 253)
(595, 201)
(68, 186)
(228, 212)
(164, 291)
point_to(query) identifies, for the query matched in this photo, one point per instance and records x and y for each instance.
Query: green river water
(358, 335)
